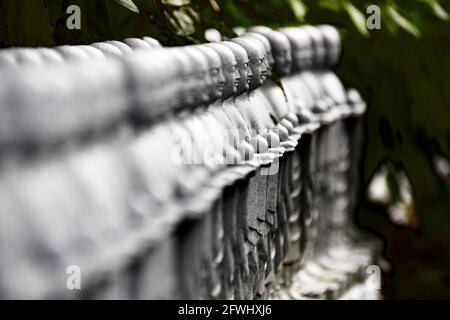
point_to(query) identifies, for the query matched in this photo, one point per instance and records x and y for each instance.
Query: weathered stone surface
(183, 172)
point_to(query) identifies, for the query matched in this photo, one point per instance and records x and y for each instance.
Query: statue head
(50, 55)
(185, 77)
(125, 49)
(26, 56)
(318, 42)
(245, 73)
(153, 81)
(267, 48)
(281, 49)
(21, 56)
(229, 66)
(199, 73)
(107, 49)
(7, 57)
(152, 42)
(256, 54)
(216, 79)
(301, 48)
(72, 53)
(92, 52)
(64, 100)
(332, 41)
(102, 94)
(136, 43)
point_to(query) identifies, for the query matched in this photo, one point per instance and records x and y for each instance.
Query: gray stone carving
(61, 92)
(224, 170)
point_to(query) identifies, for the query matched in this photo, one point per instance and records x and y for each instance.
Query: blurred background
(402, 70)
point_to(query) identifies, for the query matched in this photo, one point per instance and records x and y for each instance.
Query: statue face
(199, 75)
(230, 70)
(318, 43)
(281, 49)
(283, 61)
(245, 74)
(215, 75)
(269, 60)
(332, 44)
(154, 75)
(256, 54)
(301, 48)
(184, 77)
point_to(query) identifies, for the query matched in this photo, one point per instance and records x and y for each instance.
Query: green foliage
(129, 4)
(41, 22)
(358, 18)
(403, 70)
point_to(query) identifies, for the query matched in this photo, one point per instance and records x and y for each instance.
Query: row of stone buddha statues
(224, 170)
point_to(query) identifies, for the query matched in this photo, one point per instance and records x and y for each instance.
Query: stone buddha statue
(153, 83)
(154, 197)
(226, 105)
(46, 232)
(57, 189)
(191, 128)
(256, 114)
(281, 52)
(280, 47)
(333, 87)
(235, 126)
(61, 91)
(332, 44)
(236, 123)
(268, 58)
(301, 99)
(285, 206)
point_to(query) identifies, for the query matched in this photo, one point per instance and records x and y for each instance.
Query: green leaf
(437, 9)
(358, 18)
(182, 21)
(176, 3)
(403, 22)
(299, 9)
(332, 5)
(129, 4)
